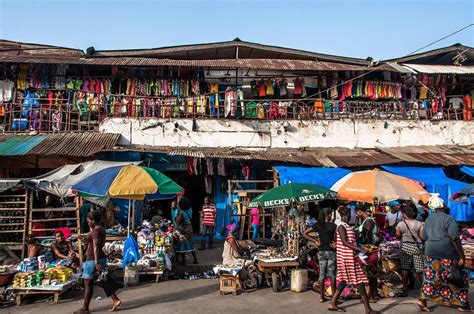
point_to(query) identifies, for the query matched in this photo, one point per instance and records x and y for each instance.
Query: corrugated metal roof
(63, 144)
(246, 50)
(319, 157)
(265, 64)
(443, 69)
(436, 155)
(19, 145)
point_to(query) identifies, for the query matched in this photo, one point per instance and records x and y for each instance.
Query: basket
(391, 264)
(6, 278)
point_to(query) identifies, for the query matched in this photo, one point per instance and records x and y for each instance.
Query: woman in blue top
(182, 222)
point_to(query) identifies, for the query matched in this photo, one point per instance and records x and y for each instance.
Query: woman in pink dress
(348, 268)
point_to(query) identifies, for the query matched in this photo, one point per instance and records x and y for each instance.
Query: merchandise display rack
(13, 219)
(38, 215)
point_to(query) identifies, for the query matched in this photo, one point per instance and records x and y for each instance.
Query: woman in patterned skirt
(348, 268)
(443, 281)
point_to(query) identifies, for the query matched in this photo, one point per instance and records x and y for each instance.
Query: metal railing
(63, 116)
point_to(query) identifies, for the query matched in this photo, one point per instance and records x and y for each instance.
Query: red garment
(246, 171)
(298, 90)
(190, 165)
(348, 269)
(209, 215)
(262, 88)
(467, 110)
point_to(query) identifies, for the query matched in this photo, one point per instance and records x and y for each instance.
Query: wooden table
(158, 273)
(56, 291)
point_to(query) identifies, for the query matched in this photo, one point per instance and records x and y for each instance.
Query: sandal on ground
(334, 308)
(322, 299)
(81, 311)
(424, 307)
(464, 309)
(195, 262)
(116, 306)
(404, 294)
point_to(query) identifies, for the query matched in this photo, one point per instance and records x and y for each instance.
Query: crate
(230, 284)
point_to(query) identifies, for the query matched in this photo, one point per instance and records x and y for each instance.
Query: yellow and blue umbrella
(128, 182)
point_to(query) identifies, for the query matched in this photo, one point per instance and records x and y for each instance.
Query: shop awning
(19, 145)
(324, 177)
(436, 181)
(441, 69)
(59, 182)
(468, 170)
(6, 184)
(63, 144)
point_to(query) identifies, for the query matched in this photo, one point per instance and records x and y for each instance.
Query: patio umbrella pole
(128, 220)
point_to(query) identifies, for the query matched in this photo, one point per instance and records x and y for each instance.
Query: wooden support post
(78, 202)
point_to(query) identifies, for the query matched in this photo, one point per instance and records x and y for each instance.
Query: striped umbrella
(128, 182)
(364, 186)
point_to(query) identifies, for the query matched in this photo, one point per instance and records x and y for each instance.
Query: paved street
(202, 296)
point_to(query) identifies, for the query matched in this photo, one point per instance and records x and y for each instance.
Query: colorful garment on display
(371, 89)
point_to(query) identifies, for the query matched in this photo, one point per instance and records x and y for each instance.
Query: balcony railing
(61, 115)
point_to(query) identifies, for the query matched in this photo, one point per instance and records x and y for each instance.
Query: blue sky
(377, 28)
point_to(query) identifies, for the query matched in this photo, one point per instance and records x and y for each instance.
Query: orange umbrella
(363, 186)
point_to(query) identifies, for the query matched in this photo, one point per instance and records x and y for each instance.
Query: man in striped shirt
(208, 222)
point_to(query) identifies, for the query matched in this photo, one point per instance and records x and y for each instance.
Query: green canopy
(301, 193)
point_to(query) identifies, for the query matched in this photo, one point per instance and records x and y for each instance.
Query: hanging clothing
(298, 89)
(262, 88)
(221, 168)
(229, 102)
(253, 89)
(208, 184)
(283, 85)
(269, 88)
(210, 166)
(423, 92)
(240, 102)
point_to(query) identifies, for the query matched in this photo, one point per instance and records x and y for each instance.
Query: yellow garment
(190, 105)
(214, 88)
(269, 85)
(423, 92)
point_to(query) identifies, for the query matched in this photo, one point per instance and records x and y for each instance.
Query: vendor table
(275, 271)
(111, 237)
(158, 274)
(56, 290)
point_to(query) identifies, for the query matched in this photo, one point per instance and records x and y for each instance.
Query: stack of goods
(114, 252)
(117, 230)
(28, 264)
(50, 277)
(20, 279)
(390, 249)
(59, 274)
(155, 242)
(31, 279)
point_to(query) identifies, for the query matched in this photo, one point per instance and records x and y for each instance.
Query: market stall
(151, 255)
(276, 259)
(155, 242)
(40, 279)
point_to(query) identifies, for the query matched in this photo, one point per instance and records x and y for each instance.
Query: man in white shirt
(393, 217)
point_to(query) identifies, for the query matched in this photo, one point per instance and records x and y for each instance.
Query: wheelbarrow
(276, 272)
